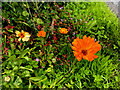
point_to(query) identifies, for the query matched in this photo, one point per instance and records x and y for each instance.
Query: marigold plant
(63, 31)
(41, 33)
(85, 48)
(23, 35)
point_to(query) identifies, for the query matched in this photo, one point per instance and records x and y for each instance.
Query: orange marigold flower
(63, 31)
(85, 48)
(41, 33)
(22, 35)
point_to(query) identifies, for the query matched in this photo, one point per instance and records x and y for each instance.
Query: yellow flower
(63, 31)
(22, 35)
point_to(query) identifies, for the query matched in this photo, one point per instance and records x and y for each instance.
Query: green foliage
(48, 62)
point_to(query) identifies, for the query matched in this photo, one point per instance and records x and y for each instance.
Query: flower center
(22, 35)
(84, 52)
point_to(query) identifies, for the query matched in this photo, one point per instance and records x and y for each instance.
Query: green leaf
(71, 81)
(15, 68)
(50, 56)
(37, 78)
(115, 47)
(12, 46)
(56, 17)
(18, 81)
(11, 6)
(39, 21)
(105, 36)
(26, 74)
(97, 78)
(10, 30)
(13, 57)
(49, 69)
(27, 58)
(118, 43)
(29, 84)
(25, 13)
(70, 11)
(43, 80)
(116, 78)
(69, 85)
(26, 68)
(90, 24)
(23, 53)
(25, 23)
(58, 79)
(17, 51)
(101, 27)
(9, 52)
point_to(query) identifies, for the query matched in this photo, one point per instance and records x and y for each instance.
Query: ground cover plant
(59, 45)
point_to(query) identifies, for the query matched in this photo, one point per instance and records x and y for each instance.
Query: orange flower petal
(79, 58)
(63, 31)
(85, 48)
(41, 33)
